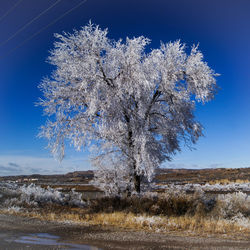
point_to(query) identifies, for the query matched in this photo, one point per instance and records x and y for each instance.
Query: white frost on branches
(135, 106)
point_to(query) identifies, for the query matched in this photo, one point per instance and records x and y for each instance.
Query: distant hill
(202, 175)
(163, 176)
(88, 173)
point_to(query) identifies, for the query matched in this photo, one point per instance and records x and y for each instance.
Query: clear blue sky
(222, 28)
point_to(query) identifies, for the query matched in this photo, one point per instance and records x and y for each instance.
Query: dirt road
(22, 233)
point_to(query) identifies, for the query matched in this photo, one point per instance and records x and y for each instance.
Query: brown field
(80, 180)
(202, 176)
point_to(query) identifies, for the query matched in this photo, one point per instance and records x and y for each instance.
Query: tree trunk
(137, 179)
(137, 183)
(134, 176)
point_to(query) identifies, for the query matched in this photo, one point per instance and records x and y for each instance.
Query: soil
(22, 233)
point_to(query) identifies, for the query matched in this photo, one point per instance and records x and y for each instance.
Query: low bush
(172, 210)
(36, 196)
(167, 204)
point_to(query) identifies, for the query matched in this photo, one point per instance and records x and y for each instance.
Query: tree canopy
(135, 106)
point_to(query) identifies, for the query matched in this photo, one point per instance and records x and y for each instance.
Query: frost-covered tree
(112, 179)
(135, 106)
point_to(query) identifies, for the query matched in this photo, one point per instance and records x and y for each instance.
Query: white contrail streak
(29, 23)
(10, 10)
(44, 28)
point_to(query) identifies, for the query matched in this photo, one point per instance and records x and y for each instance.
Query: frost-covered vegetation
(161, 212)
(233, 187)
(176, 210)
(176, 203)
(15, 197)
(135, 106)
(170, 210)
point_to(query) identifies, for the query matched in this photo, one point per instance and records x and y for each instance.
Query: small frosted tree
(136, 107)
(111, 176)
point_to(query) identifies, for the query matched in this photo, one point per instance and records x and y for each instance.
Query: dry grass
(190, 225)
(172, 204)
(196, 213)
(228, 181)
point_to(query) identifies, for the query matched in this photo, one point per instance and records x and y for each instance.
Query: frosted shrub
(75, 199)
(7, 192)
(113, 181)
(233, 187)
(233, 205)
(14, 209)
(150, 194)
(148, 220)
(41, 195)
(33, 195)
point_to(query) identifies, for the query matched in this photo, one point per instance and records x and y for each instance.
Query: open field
(183, 176)
(195, 213)
(202, 176)
(80, 180)
(178, 209)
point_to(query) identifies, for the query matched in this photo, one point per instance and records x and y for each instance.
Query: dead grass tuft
(168, 205)
(186, 224)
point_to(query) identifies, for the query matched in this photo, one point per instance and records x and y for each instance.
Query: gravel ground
(22, 233)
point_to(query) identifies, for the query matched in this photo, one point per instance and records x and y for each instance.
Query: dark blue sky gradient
(222, 28)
